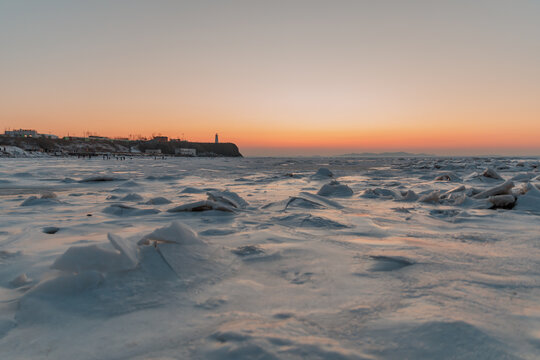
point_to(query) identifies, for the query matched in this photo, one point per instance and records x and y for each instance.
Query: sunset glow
(458, 78)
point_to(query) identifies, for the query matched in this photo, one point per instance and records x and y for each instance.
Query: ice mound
(50, 230)
(437, 340)
(336, 189)
(66, 285)
(78, 259)
(444, 213)
(502, 189)
(248, 250)
(382, 193)
(203, 205)
(99, 178)
(132, 197)
(47, 198)
(158, 201)
(389, 263)
(124, 210)
(192, 190)
(280, 337)
(309, 221)
(130, 183)
(227, 197)
(322, 174)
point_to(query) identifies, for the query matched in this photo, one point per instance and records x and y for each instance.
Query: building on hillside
(153, 151)
(21, 133)
(48, 136)
(95, 137)
(161, 139)
(185, 152)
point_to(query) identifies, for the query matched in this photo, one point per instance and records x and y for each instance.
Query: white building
(21, 133)
(185, 152)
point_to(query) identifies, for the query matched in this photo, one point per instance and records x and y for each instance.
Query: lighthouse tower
(217, 139)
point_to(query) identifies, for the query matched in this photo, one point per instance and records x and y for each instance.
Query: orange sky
(306, 77)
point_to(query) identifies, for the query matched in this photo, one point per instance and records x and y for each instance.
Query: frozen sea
(270, 258)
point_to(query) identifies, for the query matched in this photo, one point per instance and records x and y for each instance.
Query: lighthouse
(217, 139)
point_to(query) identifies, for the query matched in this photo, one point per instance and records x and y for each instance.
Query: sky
(279, 77)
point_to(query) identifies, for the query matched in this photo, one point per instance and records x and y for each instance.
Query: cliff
(77, 146)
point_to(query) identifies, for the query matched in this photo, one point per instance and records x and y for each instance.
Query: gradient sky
(279, 77)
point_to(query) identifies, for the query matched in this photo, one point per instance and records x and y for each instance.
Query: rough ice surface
(424, 258)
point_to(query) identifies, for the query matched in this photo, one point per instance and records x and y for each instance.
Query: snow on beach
(270, 258)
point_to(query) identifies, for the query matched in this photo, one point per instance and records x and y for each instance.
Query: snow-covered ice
(270, 258)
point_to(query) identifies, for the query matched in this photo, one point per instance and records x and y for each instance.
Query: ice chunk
(502, 189)
(529, 201)
(227, 197)
(448, 176)
(20, 280)
(127, 247)
(431, 197)
(334, 188)
(409, 195)
(381, 193)
(502, 201)
(492, 174)
(203, 205)
(309, 221)
(177, 233)
(457, 189)
(183, 251)
(320, 199)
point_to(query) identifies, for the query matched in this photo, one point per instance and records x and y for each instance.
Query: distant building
(21, 133)
(161, 139)
(217, 139)
(185, 152)
(94, 137)
(152, 151)
(48, 136)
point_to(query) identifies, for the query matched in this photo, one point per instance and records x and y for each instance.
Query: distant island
(386, 154)
(29, 142)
